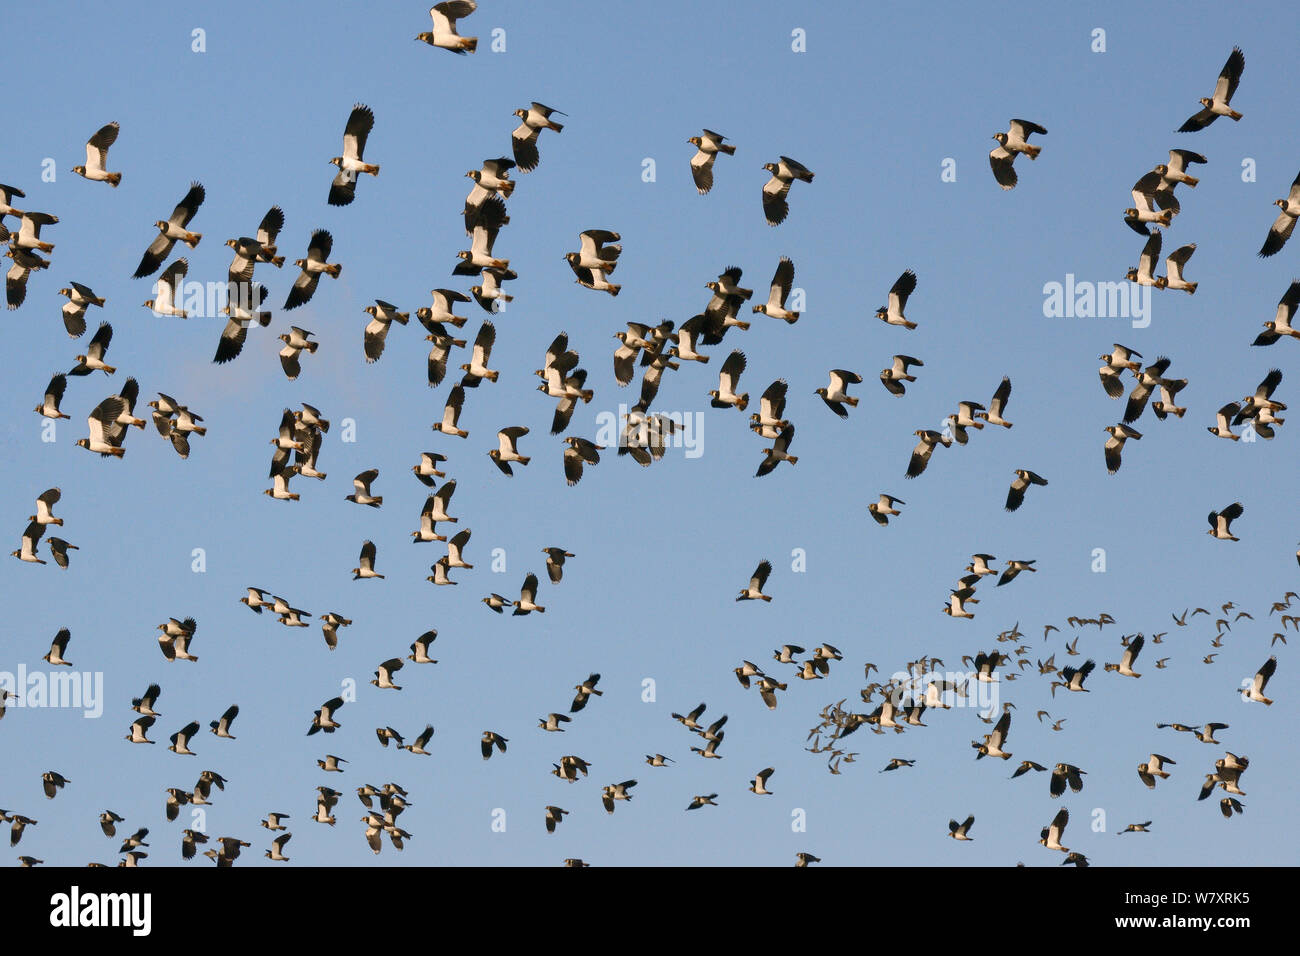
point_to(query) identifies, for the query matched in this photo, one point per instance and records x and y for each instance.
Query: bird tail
(194, 241)
(614, 290)
(1191, 288)
(470, 44)
(277, 261)
(793, 459)
(744, 402)
(559, 127)
(114, 179)
(727, 148)
(334, 269)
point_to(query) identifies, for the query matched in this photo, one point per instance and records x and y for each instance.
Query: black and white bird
(1152, 768)
(296, 341)
(894, 376)
(1175, 262)
(1280, 325)
(1010, 144)
(170, 231)
(958, 831)
(1023, 479)
(1221, 521)
(1255, 691)
(351, 165)
(779, 292)
(221, 727)
(382, 315)
(1147, 381)
(304, 287)
(754, 592)
(882, 509)
(775, 190)
(580, 451)
(444, 35)
(1144, 209)
(707, 146)
(1144, 272)
(1051, 834)
(96, 168)
(49, 407)
(892, 311)
(527, 602)
(534, 119)
(80, 298)
(929, 440)
(1129, 658)
(1073, 678)
(836, 395)
(366, 563)
(726, 395)
(1284, 224)
(779, 452)
(1217, 105)
(1115, 444)
(94, 357)
(1063, 774)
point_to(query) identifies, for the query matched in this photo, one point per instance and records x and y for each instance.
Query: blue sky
(878, 101)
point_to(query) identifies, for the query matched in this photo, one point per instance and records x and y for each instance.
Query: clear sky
(878, 102)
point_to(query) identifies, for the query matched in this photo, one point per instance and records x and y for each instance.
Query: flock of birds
(645, 435)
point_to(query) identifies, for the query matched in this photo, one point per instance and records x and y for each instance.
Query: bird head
(79, 170)
(337, 161)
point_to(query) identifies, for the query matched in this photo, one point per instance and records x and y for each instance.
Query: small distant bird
(1153, 768)
(492, 739)
(94, 357)
(343, 189)
(759, 784)
(96, 168)
(585, 690)
(882, 509)
(1062, 774)
(1221, 521)
(361, 493)
(707, 146)
(701, 801)
(222, 727)
(524, 138)
(892, 312)
(555, 563)
(778, 453)
(998, 404)
(754, 592)
(382, 315)
(924, 449)
(1217, 105)
(527, 602)
(1074, 677)
(1255, 691)
(775, 190)
(1115, 444)
(958, 831)
(366, 564)
(1016, 494)
(52, 782)
(1284, 225)
(304, 287)
(782, 281)
(1174, 265)
(171, 230)
(835, 395)
(554, 817)
(1144, 211)
(580, 451)
(444, 35)
(1281, 324)
(894, 377)
(1144, 272)
(1010, 144)
(1051, 834)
